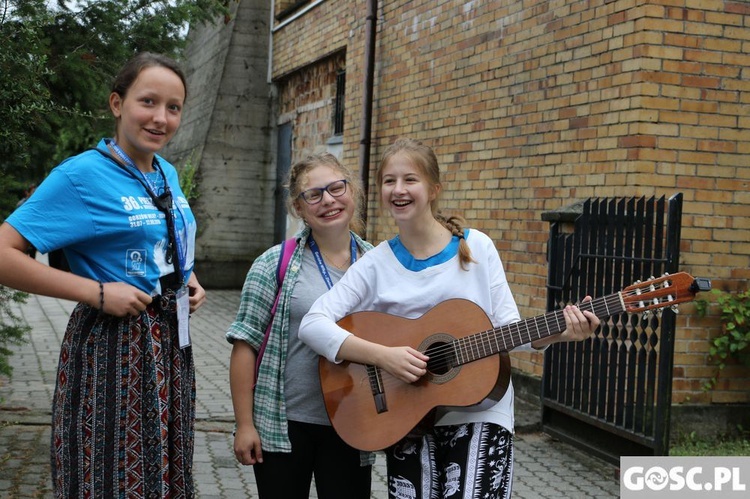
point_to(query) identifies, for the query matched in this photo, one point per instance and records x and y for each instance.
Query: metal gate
(611, 394)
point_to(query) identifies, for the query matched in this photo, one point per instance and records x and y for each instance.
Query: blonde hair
(298, 176)
(424, 158)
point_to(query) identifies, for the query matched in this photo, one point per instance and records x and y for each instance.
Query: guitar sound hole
(441, 359)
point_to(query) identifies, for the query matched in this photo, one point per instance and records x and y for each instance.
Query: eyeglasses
(315, 195)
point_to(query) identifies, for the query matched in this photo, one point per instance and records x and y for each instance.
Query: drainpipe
(366, 126)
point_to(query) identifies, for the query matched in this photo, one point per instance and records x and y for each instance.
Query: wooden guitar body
(368, 421)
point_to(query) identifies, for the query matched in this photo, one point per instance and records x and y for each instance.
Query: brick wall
(533, 105)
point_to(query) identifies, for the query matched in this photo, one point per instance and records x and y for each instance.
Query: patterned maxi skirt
(124, 406)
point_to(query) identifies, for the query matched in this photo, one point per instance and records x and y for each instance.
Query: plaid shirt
(258, 295)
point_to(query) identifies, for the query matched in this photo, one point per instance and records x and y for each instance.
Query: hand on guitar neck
(579, 325)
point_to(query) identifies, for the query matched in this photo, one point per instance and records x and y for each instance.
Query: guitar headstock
(665, 291)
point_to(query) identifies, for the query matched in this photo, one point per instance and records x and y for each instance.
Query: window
(338, 111)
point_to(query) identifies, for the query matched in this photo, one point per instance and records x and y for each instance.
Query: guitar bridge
(380, 404)
(376, 385)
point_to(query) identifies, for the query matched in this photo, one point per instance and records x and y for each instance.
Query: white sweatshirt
(379, 282)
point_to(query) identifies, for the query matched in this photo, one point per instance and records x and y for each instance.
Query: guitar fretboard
(483, 344)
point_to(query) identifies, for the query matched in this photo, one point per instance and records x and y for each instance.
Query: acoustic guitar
(469, 363)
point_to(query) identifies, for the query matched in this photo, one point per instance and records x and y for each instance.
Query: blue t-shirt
(104, 219)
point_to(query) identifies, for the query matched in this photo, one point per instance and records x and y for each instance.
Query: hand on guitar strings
(405, 363)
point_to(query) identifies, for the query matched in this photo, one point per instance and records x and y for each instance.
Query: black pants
(316, 450)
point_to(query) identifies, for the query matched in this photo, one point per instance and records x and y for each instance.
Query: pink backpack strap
(287, 250)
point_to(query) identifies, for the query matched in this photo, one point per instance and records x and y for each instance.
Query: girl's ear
(115, 104)
(435, 191)
(298, 208)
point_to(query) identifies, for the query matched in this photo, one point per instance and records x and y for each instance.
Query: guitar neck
(480, 345)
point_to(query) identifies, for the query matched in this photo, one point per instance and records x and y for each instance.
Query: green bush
(732, 343)
(189, 181)
(12, 329)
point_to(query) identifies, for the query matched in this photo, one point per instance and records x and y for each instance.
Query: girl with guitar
(282, 426)
(456, 451)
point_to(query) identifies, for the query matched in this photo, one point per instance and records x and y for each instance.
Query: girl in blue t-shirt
(124, 403)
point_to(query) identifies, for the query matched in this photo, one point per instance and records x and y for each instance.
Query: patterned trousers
(473, 460)
(124, 406)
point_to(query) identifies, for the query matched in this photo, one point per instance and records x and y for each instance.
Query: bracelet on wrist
(101, 296)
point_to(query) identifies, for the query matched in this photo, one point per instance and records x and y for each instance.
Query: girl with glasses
(283, 430)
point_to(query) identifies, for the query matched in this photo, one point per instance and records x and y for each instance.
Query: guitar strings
(442, 358)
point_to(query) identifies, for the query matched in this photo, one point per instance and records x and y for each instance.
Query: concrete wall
(227, 134)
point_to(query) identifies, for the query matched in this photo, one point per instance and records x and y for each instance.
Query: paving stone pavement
(544, 467)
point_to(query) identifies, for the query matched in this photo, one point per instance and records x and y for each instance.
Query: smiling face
(406, 191)
(331, 214)
(148, 114)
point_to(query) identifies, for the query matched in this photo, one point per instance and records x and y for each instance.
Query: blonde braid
(455, 224)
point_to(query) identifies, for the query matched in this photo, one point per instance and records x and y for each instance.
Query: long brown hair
(424, 158)
(298, 175)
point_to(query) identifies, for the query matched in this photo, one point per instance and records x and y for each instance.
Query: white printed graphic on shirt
(135, 262)
(462, 432)
(160, 257)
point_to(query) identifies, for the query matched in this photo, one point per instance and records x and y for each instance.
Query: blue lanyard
(122, 155)
(322, 264)
(181, 235)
